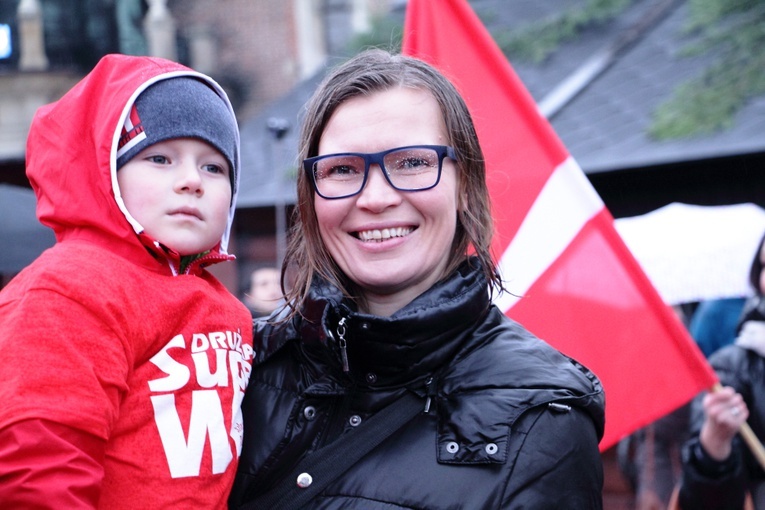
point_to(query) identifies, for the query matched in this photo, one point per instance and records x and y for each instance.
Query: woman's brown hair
(367, 73)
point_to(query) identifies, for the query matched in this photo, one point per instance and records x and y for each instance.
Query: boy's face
(179, 191)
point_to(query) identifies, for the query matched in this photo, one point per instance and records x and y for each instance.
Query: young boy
(124, 361)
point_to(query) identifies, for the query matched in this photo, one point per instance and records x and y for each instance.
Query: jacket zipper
(430, 392)
(342, 343)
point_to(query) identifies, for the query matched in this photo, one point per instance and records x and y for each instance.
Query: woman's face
(412, 232)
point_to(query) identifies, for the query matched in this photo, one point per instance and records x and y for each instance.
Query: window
(6, 47)
(78, 32)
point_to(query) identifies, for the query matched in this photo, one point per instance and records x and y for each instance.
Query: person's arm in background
(714, 475)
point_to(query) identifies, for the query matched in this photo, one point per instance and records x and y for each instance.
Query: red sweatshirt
(122, 377)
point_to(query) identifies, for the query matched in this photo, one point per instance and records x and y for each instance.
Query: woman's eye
(341, 170)
(338, 171)
(413, 163)
(412, 160)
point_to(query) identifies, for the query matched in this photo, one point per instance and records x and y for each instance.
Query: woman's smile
(380, 235)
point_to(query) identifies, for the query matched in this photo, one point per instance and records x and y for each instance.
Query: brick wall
(256, 46)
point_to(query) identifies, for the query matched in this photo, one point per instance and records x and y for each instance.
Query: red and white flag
(581, 289)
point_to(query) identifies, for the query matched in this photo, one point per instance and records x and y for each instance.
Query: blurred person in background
(264, 294)
(719, 470)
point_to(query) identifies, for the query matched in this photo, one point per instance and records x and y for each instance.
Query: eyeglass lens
(408, 169)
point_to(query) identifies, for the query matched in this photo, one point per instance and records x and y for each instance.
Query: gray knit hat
(181, 107)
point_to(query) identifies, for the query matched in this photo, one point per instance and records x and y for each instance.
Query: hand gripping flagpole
(750, 438)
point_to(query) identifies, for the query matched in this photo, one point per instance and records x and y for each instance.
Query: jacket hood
(71, 159)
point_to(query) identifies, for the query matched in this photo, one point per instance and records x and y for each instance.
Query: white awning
(692, 252)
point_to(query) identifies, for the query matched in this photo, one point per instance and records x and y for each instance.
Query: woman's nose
(378, 194)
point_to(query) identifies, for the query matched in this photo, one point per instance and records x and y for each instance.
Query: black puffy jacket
(490, 381)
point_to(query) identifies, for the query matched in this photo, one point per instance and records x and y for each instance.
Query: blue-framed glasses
(411, 168)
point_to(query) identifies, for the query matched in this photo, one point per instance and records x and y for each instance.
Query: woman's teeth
(384, 234)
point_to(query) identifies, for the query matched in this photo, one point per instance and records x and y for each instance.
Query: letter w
(184, 458)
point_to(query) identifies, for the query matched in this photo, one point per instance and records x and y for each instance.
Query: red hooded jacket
(122, 376)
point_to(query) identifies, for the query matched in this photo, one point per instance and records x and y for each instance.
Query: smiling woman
(382, 270)
(391, 304)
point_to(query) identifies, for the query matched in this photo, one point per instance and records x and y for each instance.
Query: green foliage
(537, 41)
(386, 33)
(735, 31)
(706, 13)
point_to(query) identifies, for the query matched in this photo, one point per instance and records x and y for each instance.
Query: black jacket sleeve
(708, 484)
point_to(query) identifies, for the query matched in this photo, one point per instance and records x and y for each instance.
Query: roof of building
(269, 163)
(605, 126)
(599, 91)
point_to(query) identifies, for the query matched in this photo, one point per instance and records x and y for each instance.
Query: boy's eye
(158, 159)
(214, 169)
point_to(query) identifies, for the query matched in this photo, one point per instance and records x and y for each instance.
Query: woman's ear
(462, 202)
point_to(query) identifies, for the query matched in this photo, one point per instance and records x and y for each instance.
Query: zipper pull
(343, 344)
(430, 391)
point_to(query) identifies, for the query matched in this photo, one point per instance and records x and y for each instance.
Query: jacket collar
(400, 349)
